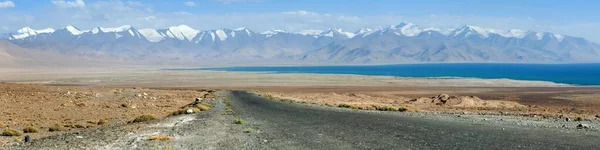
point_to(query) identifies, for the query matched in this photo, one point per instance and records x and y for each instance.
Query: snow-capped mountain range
(404, 42)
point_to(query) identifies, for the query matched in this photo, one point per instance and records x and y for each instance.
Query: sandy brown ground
(76, 107)
(546, 101)
(85, 95)
(155, 77)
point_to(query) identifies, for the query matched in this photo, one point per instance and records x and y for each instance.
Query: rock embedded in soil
(189, 111)
(583, 126)
(443, 97)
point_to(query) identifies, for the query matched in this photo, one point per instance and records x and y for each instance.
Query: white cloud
(189, 4)
(349, 18)
(299, 13)
(7, 4)
(69, 4)
(149, 18)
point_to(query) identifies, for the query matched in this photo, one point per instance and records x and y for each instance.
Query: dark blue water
(577, 74)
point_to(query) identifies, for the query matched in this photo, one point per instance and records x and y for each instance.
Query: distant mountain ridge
(404, 42)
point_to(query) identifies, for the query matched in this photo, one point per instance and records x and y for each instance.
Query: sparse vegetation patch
(102, 122)
(203, 106)
(177, 112)
(79, 126)
(249, 130)
(239, 121)
(56, 128)
(385, 108)
(228, 106)
(30, 129)
(11, 132)
(143, 118)
(160, 138)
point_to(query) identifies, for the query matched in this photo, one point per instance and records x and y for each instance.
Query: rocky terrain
(525, 115)
(553, 103)
(259, 123)
(205, 130)
(51, 110)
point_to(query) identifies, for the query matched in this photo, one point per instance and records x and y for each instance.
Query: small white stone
(583, 126)
(189, 111)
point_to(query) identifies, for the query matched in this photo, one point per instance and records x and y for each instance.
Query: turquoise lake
(576, 74)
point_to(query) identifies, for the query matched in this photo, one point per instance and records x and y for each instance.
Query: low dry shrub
(143, 118)
(30, 129)
(56, 128)
(239, 121)
(11, 132)
(249, 130)
(160, 138)
(102, 122)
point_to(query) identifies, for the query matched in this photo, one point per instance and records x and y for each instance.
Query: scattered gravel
(283, 125)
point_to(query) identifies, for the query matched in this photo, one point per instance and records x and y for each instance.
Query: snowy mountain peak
(275, 31)
(181, 32)
(539, 35)
(244, 29)
(558, 37)
(116, 29)
(310, 32)
(221, 35)
(96, 30)
(400, 25)
(241, 29)
(332, 32)
(392, 44)
(542, 35)
(363, 31)
(186, 33)
(469, 30)
(514, 33)
(270, 33)
(151, 34)
(27, 31)
(183, 28)
(442, 31)
(406, 29)
(73, 30)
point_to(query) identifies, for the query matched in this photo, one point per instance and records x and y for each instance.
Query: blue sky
(576, 17)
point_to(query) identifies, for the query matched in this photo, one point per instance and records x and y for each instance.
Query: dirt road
(296, 126)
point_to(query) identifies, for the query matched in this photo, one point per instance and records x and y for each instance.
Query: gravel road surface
(297, 126)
